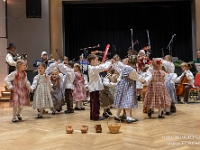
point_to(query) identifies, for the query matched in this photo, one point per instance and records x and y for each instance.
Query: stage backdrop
(91, 24)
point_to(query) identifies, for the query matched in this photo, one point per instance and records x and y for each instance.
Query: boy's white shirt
(106, 82)
(68, 81)
(95, 81)
(189, 76)
(170, 68)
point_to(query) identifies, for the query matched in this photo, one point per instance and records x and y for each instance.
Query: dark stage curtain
(92, 24)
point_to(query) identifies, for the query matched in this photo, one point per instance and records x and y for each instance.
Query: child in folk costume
(106, 97)
(68, 84)
(157, 94)
(57, 94)
(125, 92)
(95, 85)
(145, 86)
(43, 88)
(170, 85)
(168, 64)
(189, 77)
(79, 93)
(17, 82)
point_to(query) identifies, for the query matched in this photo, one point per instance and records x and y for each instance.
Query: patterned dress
(19, 84)
(171, 88)
(125, 92)
(79, 93)
(42, 95)
(57, 94)
(157, 94)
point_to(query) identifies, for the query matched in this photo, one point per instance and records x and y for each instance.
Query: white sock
(128, 112)
(41, 110)
(14, 111)
(19, 110)
(118, 112)
(160, 111)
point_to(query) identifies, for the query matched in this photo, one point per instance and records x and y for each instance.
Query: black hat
(12, 45)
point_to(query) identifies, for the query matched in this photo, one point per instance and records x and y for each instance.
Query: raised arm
(100, 68)
(135, 76)
(64, 69)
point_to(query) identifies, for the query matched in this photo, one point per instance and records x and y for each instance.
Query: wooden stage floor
(180, 131)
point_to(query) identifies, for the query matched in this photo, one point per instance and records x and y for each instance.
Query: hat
(43, 53)
(12, 45)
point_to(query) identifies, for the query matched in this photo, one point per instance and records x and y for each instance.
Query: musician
(190, 77)
(11, 57)
(142, 59)
(43, 59)
(197, 61)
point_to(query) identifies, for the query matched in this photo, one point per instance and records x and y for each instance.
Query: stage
(178, 131)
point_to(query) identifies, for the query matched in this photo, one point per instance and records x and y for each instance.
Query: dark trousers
(69, 99)
(186, 92)
(94, 105)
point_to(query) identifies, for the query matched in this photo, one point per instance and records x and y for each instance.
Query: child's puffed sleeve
(51, 67)
(8, 80)
(35, 82)
(64, 69)
(135, 76)
(100, 68)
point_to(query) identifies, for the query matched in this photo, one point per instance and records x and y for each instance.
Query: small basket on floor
(114, 128)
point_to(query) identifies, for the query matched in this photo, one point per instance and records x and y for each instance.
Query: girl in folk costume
(17, 82)
(170, 85)
(43, 88)
(106, 97)
(57, 94)
(157, 94)
(125, 92)
(142, 60)
(79, 93)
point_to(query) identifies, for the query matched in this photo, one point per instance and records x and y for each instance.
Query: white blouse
(170, 68)
(11, 77)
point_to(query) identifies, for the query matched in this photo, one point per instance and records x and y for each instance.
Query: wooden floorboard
(180, 131)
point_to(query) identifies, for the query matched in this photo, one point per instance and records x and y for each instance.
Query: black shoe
(117, 119)
(168, 113)
(39, 116)
(109, 112)
(58, 110)
(82, 108)
(161, 116)
(76, 108)
(100, 118)
(14, 120)
(19, 117)
(149, 113)
(106, 115)
(68, 111)
(53, 112)
(139, 98)
(186, 101)
(122, 117)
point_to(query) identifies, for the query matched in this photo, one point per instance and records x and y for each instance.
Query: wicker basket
(114, 128)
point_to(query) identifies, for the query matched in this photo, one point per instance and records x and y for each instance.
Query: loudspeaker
(33, 9)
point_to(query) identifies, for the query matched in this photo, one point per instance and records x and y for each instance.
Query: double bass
(180, 86)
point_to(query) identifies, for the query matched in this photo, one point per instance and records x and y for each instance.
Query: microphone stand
(170, 45)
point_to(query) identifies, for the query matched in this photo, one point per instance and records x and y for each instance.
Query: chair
(195, 92)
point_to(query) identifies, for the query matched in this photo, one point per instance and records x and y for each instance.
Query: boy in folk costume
(106, 97)
(157, 94)
(68, 85)
(190, 77)
(170, 85)
(95, 84)
(168, 64)
(125, 97)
